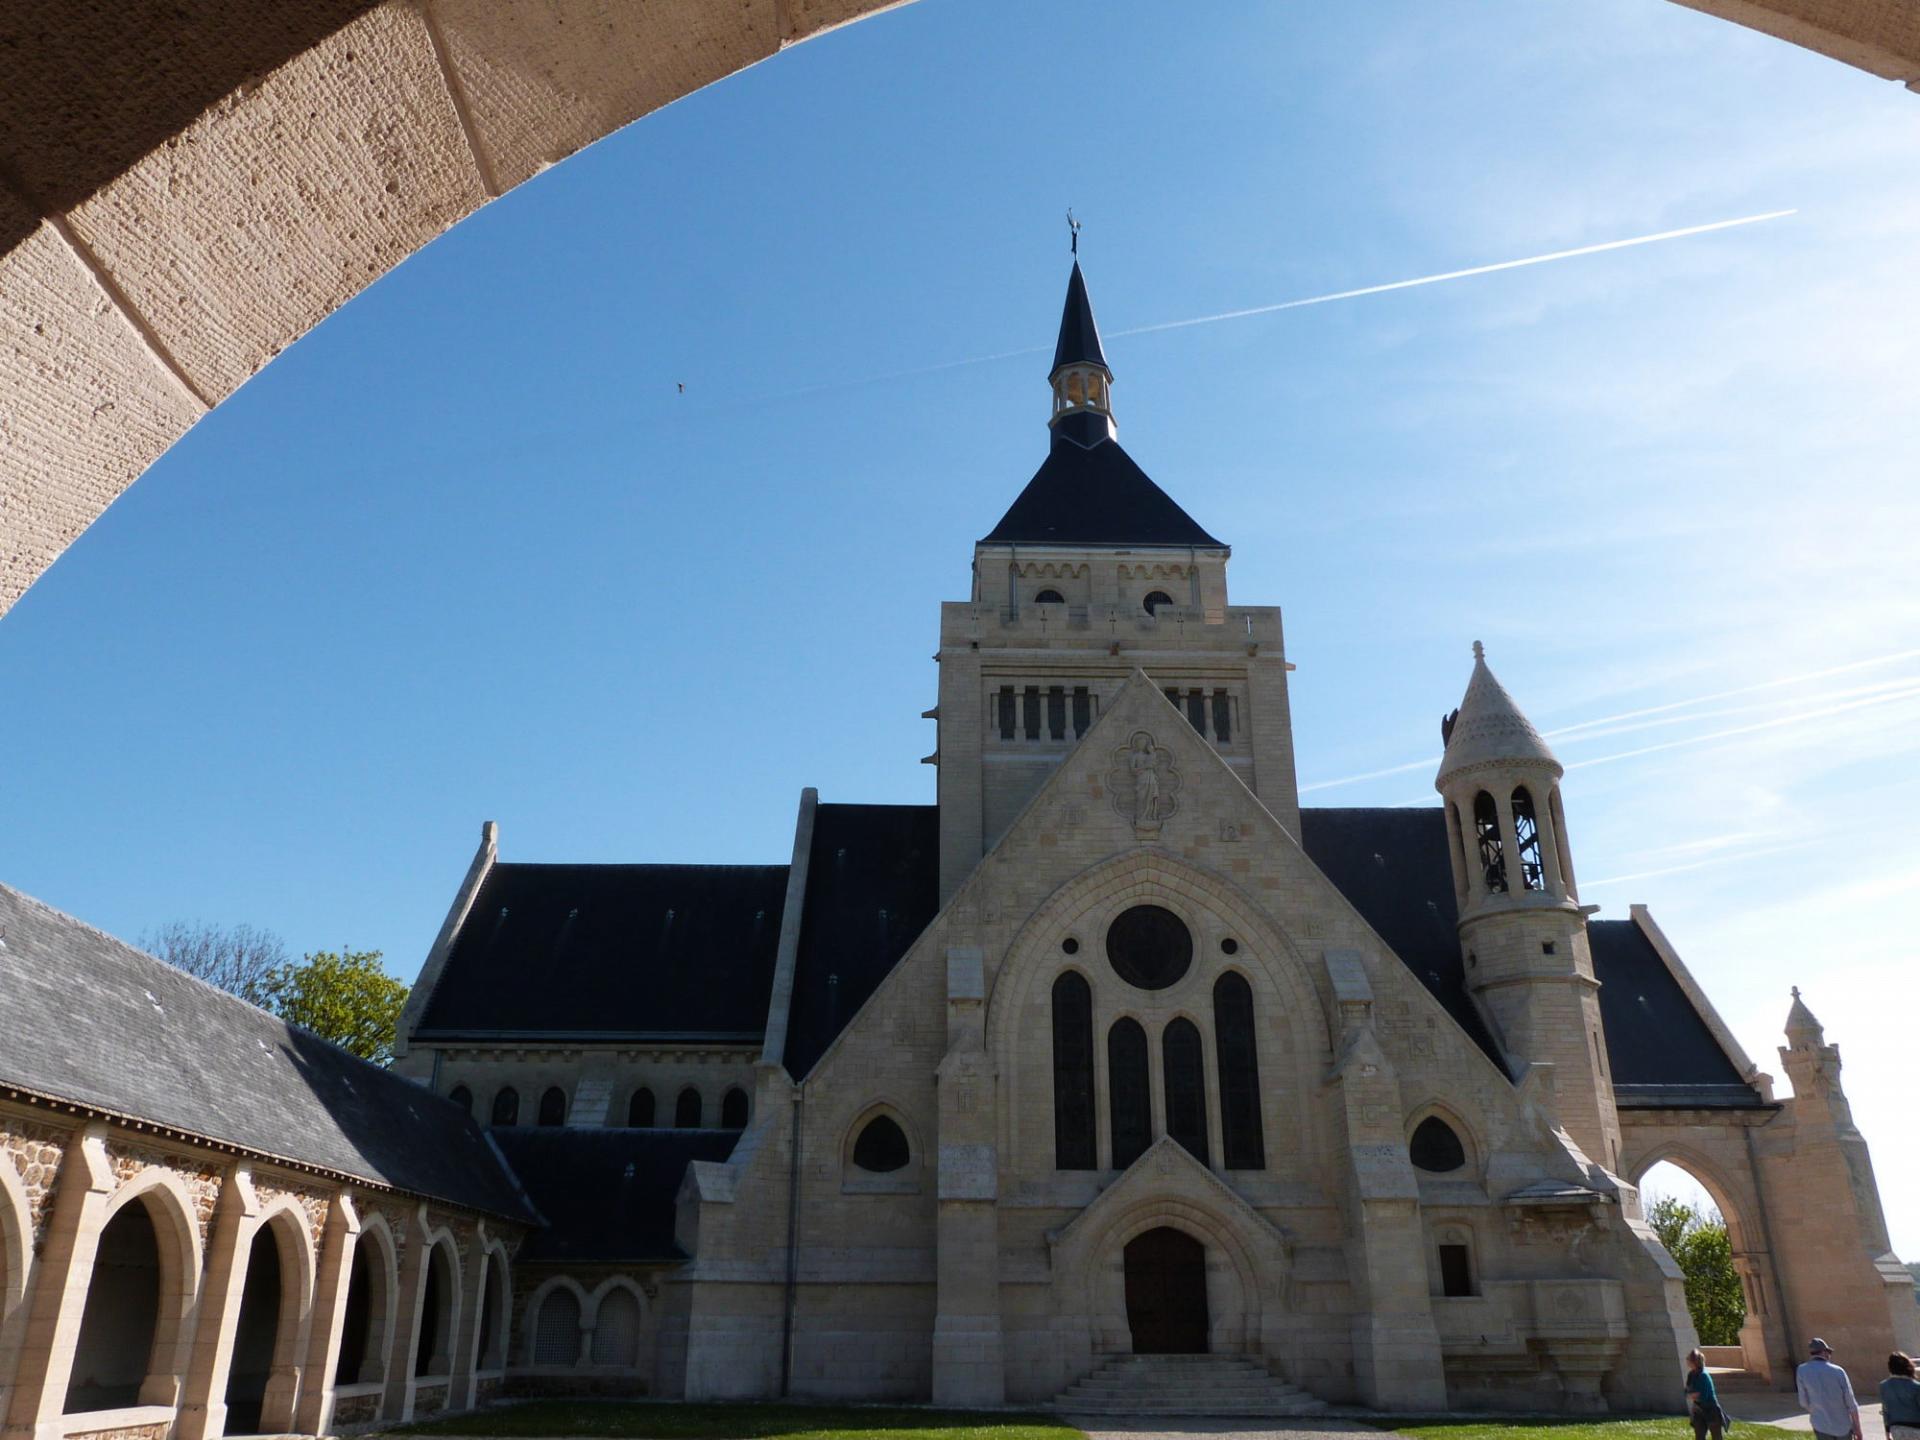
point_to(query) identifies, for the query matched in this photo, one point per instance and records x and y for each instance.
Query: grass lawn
(656, 1421)
(1664, 1428)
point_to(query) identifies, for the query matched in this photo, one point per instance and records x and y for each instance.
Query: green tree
(1699, 1246)
(345, 996)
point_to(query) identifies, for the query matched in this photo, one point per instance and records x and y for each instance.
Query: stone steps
(1185, 1385)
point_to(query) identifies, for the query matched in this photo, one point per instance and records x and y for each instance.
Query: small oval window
(1435, 1148)
(1155, 600)
(881, 1146)
(1049, 597)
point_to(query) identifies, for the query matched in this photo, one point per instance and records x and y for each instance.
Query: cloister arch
(129, 1349)
(343, 135)
(496, 1309)
(617, 1318)
(270, 1330)
(16, 1246)
(436, 1309)
(556, 1323)
(373, 1281)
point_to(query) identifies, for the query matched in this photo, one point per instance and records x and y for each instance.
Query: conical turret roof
(1489, 728)
(1079, 342)
(1801, 1021)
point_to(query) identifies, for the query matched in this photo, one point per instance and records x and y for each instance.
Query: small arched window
(556, 1331)
(686, 1110)
(1155, 599)
(1526, 835)
(1129, 1101)
(1049, 597)
(881, 1146)
(640, 1109)
(1073, 1136)
(506, 1106)
(616, 1329)
(1186, 1086)
(553, 1106)
(1486, 828)
(463, 1097)
(1435, 1148)
(1233, 1036)
(733, 1109)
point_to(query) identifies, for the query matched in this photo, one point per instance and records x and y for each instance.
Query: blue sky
(465, 552)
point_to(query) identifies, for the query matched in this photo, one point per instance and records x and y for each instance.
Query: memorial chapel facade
(1115, 1064)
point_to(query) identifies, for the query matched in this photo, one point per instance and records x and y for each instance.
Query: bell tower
(1094, 571)
(1522, 928)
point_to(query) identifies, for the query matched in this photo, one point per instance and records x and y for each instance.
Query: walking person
(1827, 1393)
(1900, 1399)
(1703, 1402)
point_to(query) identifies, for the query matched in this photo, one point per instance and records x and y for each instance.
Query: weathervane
(1073, 230)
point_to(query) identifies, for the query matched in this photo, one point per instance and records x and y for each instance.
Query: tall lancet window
(1186, 1087)
(1073, 1136)
(1526, 835)
(1233, 1037)
(1493, 858)
(1129, 1093)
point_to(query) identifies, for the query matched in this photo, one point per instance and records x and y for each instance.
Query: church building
(1115, 1078)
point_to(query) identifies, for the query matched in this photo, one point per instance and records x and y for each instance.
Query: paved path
(1782, 1409)
(1172, 1427)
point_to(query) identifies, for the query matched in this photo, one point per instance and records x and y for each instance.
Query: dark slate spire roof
(1079, 341)
(1095, 495)
(1089, 491)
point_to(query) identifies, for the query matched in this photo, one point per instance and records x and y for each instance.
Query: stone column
(397, 1403)
(203, 1406)
(464, 1309)
(59, 1295)
(314, 1415)
(969, 1366)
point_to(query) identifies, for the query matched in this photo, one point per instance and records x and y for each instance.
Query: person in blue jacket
(1703, 1401)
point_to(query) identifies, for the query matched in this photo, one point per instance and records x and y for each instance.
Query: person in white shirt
(1828, 1395)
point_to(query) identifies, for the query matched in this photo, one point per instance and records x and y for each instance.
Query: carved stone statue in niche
(1143, 783)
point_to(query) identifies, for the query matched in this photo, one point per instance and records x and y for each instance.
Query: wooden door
(1167, 1293)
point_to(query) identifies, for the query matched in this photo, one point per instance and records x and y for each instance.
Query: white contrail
(1224, 315)
(1458, 274)
(1831, 670)
(1784, 720)
(1627, 722)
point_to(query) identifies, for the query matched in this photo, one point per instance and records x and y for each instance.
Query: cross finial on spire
(1073, 233)
(1796, 992)
(1479, 651)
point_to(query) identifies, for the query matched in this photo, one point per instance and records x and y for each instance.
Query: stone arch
(491, 1341)
(1715, 1181)
(616, 1291)
(251, 123)
(373, 1286)
(16, 1244)
(436, 1307)
(1268, 958)
(172, 1213)
(1248, 1272)
(536, 1303)
(270, 1330)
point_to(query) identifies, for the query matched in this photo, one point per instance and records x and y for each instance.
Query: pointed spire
(1079, 342)
(1801, 1022)
(1489, 727)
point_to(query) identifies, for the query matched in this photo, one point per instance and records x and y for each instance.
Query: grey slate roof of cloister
(89, 1019)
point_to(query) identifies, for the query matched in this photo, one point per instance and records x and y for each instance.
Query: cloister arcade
(169, 1288)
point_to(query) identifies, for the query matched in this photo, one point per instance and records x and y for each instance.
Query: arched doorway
(256, 1335)
(1696, 1208)
(363, 1330)
(1166, 1272)
(122, 1313)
